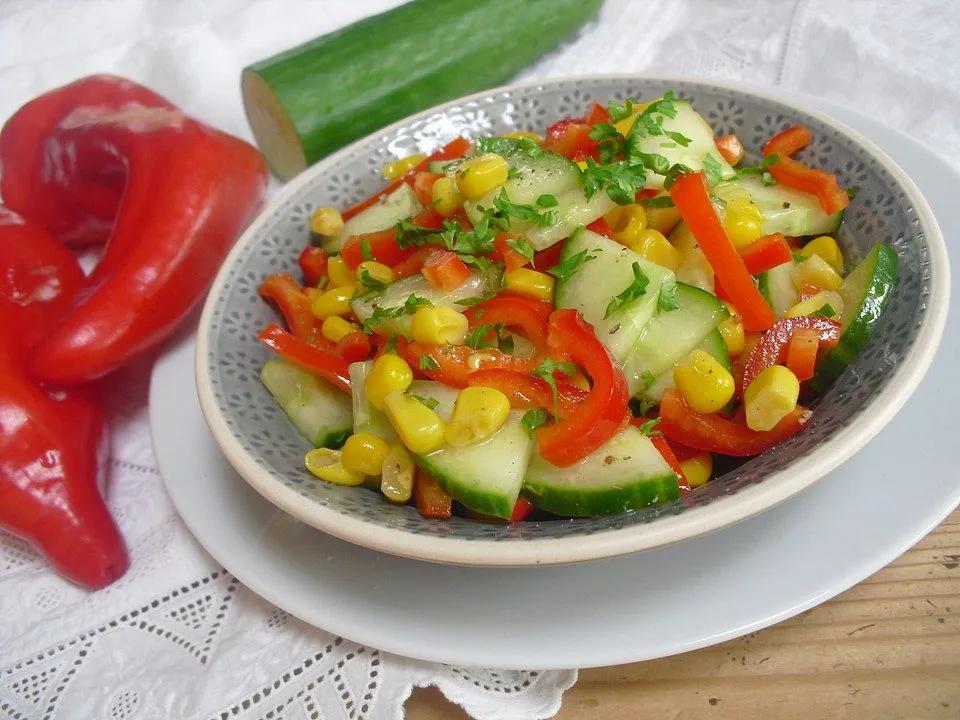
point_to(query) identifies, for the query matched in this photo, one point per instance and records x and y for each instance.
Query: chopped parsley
(712, 169)
(478, 337)
(663, 201)
(546, 369)
(532, 419)
(513, 173)
(381, 314)
(649, 428)
(521, 245)
(428, 363)
(636, 288)
(568, 266)
(506, 208)
(409, 235)
(431, 403)
(647, 378)
(667, 299)
(506, 146)
(622, 111)
(372, 286)
(826, 310)
(547, 201)
(476, 299)
(366, 251)
(759, 169)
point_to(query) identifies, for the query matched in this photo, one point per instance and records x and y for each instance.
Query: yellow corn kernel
(731, 330)
(481, 174)
(447, 198)
(327, 465)
(339, 272)
(652, 245)
(771, 397)
(391, 171)
(419, 427)
(705, 384)
(743, 221)
(815, 304)
(627, 223)
(697, 469)
(478, 414)
(662, 219)
(364, 453)
(816, 271)
(531, 283)
(439, 326)
(389, 373)
(335, 301)
(335, 328)
(522, 134)
(326, 222)
(396, 474)
(827, 248)
(375, 270)
(582, 164)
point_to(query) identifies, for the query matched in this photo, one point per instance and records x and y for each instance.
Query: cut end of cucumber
(272, 128)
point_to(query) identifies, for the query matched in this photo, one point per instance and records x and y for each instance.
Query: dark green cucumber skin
(334, 440)
(605, 501)
(861, 327)
(476, 501)
(343, 86)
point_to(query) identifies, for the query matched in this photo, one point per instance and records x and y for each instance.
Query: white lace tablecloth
(178, 636)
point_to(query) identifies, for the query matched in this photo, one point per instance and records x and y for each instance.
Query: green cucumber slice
(399, 205)
(865, 292)
(713, 343)
(784, 209)
(776, 286)
(485, 477)
(319, 412)
(670, 336)
(626, 473)
(595, 282)
(367, 418)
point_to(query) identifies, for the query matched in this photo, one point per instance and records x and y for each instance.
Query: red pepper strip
(456, 362)
(423, 187)
(795, 174)
(603, 412)
(444, 270)
(601, 227)
(455, 148)
(428, 218)
(692, 199)
(571, 138)
(543, 260)
(294, 305)
(802, 352)
(313, 265)
(53, 464)
(527, 391)
(521, 509)
(320, 362)
(353, 347)
(772, 348)
(661, 444)
(596, 114)
(188, 191)
(730, 148)
(506, 254)
(765, 253)
(74, 196)
(413, 264)
(382, 245)
(714, 433)
(38, 276)
(514, 311)
(431, 500)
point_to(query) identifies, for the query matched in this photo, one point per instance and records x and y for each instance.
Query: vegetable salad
(572, 324)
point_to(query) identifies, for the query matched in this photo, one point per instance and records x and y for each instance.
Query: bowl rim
(667, 529)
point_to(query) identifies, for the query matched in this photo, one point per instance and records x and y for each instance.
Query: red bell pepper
(323, 363)
(382, 246)
(38, 276)
(772, 348)
(603, 413)
(506, 254)
(431, 500)
(353, 347)
(444, 270)
(413, 264)
(802, 352)
(526, 391)
(715, 433)
(521, 509)
(423, 187)
(187, 192)
(692, 200)
(730, 148)
(664, 448)
(571, 138)
(313, 265)
(799, 176)
(515, 311)
(456, 148)
(294, 305)
(428, 218)
(765, 253)
(543, 260)
(601, 227)
(456, 362)
(596, 114)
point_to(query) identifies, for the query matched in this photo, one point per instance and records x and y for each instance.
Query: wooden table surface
(887, 648)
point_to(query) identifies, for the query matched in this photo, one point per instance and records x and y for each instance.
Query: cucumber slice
(319, 412)
(776, 286)
(712, 343)
(694, 267)
(595, 282)
(399, 205)
(626, 473)
(865, 292)
(485, 477)
(397, 293)
(440, 167)
(670, 336)
(573, 210)
(784, 210)
(367, 418)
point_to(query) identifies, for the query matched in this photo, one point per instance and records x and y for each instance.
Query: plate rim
(663, 531)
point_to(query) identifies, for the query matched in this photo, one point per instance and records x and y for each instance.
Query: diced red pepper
(601, 227)
(521, 509)
(456, 362)
(444, 270)
(730, 148)
(431, 500)
(543, 260)
(714, 433)
(526, 391)
(802, 352)
(596, 114)
(413, 264)
(799, 176)
(423, 187)
(765, 253)
(692, 199)
(571, 138)
(294, 305)
(428, 218)
(515, 311)
(661, 444)
(313, 265)
(382, 246)
(353, 347)
(324, 363)
(772, 347)
(506, 254)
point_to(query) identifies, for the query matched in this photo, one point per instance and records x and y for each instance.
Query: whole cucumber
(315, 98)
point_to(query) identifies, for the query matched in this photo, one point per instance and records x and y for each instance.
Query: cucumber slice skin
(865, 292)
(802, 216)
(399, 205)
(590, 289)
(627, 473)
(320, 413)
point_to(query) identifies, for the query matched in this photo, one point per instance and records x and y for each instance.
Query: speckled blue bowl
(267, 452)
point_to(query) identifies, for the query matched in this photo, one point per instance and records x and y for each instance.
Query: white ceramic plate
(665, 601)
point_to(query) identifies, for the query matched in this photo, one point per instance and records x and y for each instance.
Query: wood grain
(887, 648)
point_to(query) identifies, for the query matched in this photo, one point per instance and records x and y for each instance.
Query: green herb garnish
(667, 299)
(567, 267)
(529, 213)
(636, 288)
(547, 201)
(428, 363)
(366, 251)
(381, 315)
(712, 169)
(826, 310)
(521, 245)
(649, 428)
(546, 369)
(532, 419)
(476, 299)
(430, 402)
